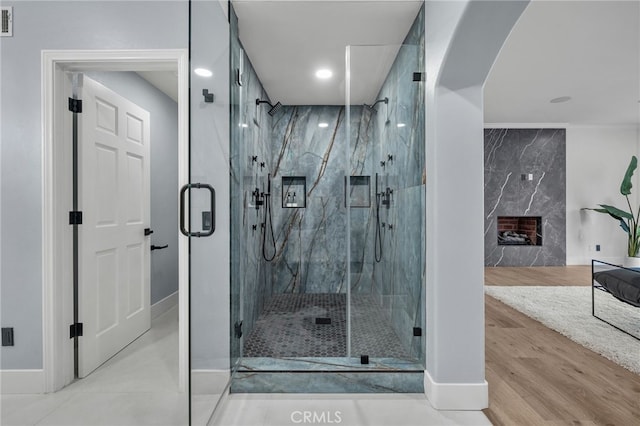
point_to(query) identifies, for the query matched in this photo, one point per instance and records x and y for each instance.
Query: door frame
(57, 258)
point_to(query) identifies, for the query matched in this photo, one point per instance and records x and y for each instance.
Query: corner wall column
(462, 42)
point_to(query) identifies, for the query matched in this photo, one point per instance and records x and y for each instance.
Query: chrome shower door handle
(212, 226)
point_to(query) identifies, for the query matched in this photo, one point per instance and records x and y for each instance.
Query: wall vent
(7, 21)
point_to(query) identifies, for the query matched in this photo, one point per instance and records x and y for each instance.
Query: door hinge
(75, 105)
(75, 218)
(419, 76)
(7, 21)
(75, 330)
(237, 327)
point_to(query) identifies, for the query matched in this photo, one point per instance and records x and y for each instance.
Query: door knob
(148, 231)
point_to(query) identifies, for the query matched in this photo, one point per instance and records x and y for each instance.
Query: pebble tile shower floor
(288, 328)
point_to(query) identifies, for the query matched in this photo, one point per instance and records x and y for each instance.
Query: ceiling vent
(7, 21)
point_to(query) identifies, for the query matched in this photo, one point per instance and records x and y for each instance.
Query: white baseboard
(578, 260)
(456, 396)
(22, 381)
(164, 305)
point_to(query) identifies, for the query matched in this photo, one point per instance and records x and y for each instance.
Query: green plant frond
(626, 185)
(634, 245)
(597, 210)
(625, 227)
(615, 212)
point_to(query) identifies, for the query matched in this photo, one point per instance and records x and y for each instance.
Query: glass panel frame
(387, 243)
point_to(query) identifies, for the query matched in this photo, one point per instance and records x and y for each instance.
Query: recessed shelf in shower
(359, 191)
(294, 192)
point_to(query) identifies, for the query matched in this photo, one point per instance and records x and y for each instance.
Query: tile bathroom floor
(288, 327)
(338, 409)
(138, 387)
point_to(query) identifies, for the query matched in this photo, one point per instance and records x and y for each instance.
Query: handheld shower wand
(378, 236)
(267, 225)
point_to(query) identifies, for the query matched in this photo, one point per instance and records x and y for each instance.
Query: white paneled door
(114, 175)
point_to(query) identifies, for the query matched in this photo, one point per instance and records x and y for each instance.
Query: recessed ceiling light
(324, 73)
(323, 125)
(400, 124)
(560, 100)
(203, 72)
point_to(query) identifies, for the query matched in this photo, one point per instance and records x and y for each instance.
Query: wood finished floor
(537, 376)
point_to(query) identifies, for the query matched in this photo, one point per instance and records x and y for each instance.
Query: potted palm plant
(629, 222)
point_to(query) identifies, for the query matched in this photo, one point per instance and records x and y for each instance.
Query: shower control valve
(257, 198)
(386, 197)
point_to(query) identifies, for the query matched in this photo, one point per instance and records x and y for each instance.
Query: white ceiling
(588, 50)
(287, 41)
(166, 81)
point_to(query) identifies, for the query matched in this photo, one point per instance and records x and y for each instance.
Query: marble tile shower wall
(311, 242)
(398, 279)
(510, 153)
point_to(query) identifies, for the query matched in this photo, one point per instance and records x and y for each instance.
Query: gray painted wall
(164, 173)
(38, 26)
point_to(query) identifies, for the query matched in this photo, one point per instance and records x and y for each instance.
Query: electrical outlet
(597, 247)
(7, 336)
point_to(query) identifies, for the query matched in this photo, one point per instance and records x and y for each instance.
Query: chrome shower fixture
(274, 108)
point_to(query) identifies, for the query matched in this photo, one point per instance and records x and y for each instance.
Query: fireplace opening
(519, 230)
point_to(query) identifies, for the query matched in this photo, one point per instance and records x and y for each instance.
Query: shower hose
(268, 226)
(378, 236)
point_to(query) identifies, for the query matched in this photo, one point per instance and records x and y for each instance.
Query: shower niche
(358, 191)
(294, 192)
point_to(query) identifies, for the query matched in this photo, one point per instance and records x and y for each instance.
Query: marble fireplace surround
(525, 175)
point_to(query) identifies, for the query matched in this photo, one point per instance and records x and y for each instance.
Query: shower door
(205, 209)
(386, 157)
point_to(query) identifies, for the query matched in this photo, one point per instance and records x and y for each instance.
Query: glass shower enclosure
(327, 228)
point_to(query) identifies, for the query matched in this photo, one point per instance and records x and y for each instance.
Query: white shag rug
(567, 310)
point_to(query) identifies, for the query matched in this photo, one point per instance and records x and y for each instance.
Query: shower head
(371, 107)
(385, 100)
(274, 108)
